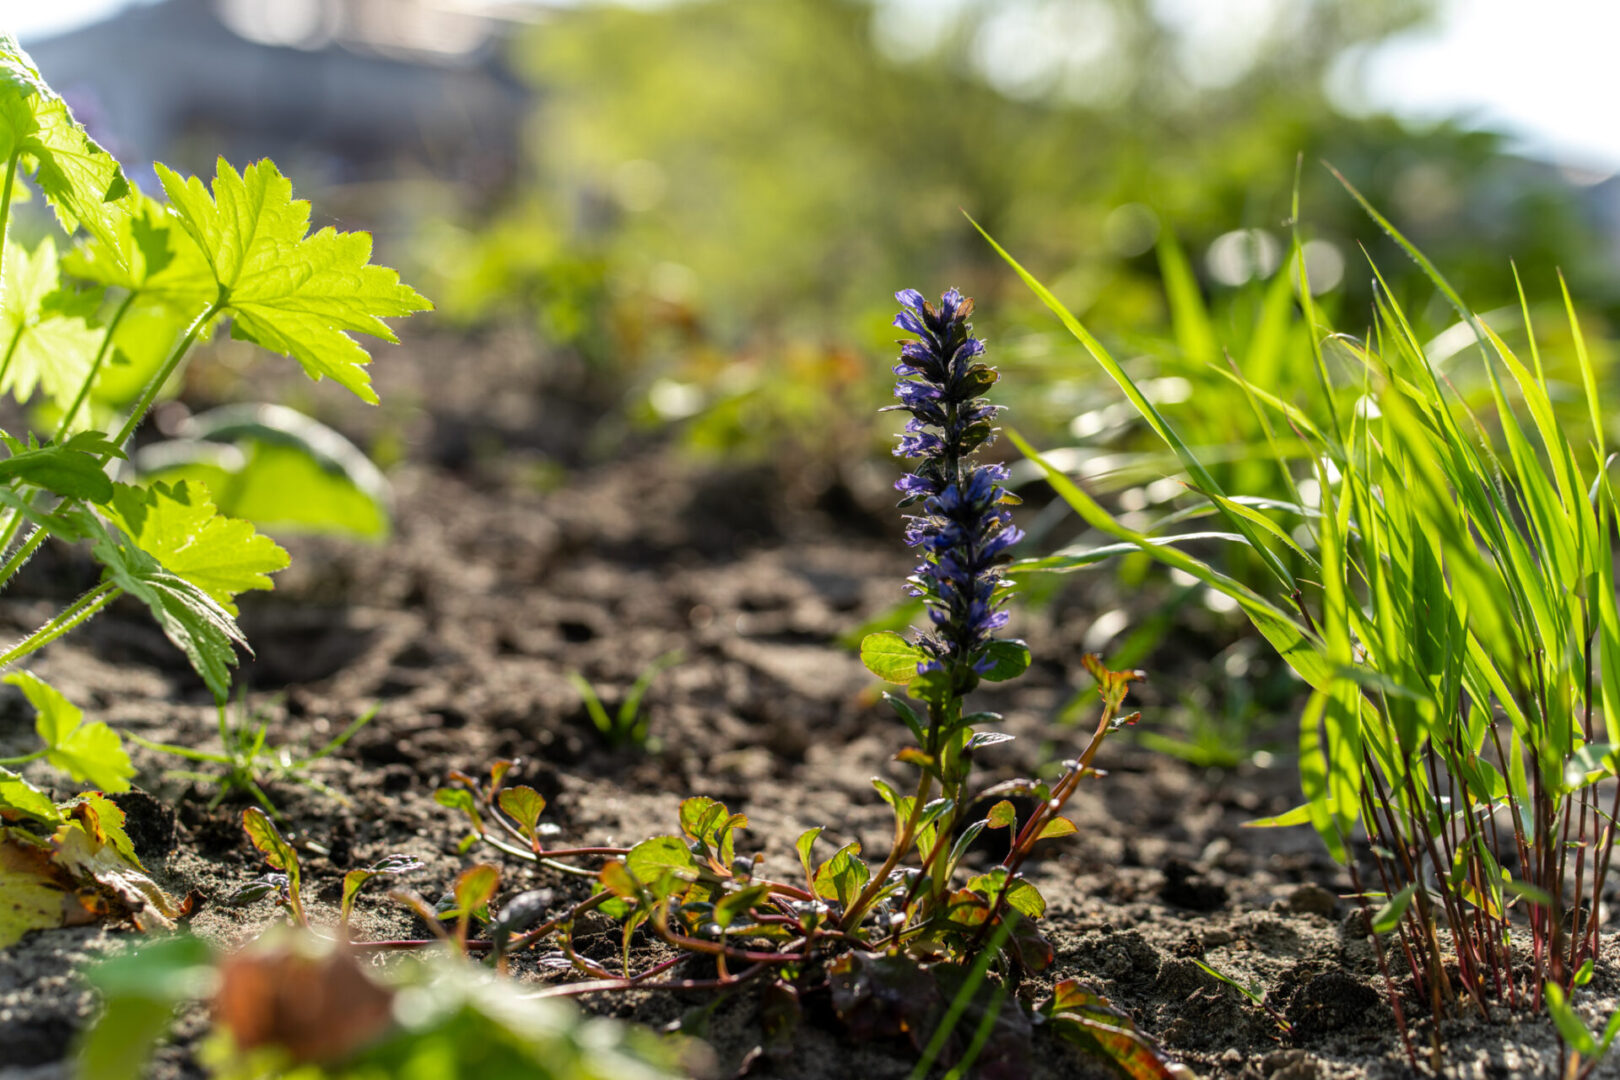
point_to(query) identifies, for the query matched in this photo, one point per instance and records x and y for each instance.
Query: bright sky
(1543, 72)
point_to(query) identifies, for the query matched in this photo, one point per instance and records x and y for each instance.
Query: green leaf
(80, 180)
(734, 904)
(72, 469)
(1008, 660)
(147, 252)
(190, 618)
(656, 856)
(843, 876)
(179, 527)
(891, 657)
(141, 990)
(1002, 816)
(523, 805)
(19, 797)
(264, 836)
(289, 292)
(87, 752)
(802, 845)
(286, 473)
(475, 888)
(1299, 815)
(1058, 826)
(45, 346)
(699, 816)
(1389, 916)
(387, 866)
(906, 713)
(1569, 1024)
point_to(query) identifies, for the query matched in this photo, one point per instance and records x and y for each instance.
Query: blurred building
(338, 92)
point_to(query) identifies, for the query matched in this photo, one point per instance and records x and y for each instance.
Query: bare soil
(516, 560)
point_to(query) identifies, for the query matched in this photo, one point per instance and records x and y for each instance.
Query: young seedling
(626, 726)
(250, 764)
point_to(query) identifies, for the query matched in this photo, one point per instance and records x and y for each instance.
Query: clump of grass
(1448, 595)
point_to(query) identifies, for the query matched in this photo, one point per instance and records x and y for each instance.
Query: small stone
(1310, 899)
(1214, 939)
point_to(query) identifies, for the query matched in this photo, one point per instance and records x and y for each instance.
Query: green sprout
(250, 764)
(628, 725)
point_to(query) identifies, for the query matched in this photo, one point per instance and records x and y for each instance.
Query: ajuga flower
(964, 527)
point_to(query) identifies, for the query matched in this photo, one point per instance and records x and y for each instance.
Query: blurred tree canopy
(714, 179)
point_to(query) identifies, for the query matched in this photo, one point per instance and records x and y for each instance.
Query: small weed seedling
(626, 725)
(249, 764)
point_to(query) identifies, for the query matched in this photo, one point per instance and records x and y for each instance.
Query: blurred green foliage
(723, 195)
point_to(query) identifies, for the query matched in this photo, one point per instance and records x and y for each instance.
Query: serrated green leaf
(72, 469)
(189, 617)
(891, 657)
(90, 752)
(179, 527)
(80, 180)
(42, 345)
(289, 292)
(147, 252)
(1008, 660)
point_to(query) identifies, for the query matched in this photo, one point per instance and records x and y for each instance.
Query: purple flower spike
(963, 531)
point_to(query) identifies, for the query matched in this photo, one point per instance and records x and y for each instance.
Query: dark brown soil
(500, 581)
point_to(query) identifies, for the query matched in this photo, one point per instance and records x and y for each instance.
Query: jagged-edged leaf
(90, 752)
(292, 293)
(179, 527)
(45, 341)
(72, 469)
(148, 252)
(190, 618)
(80, 180)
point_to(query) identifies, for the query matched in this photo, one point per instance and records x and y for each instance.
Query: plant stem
(23, 759)
(95, 368)
(81, 609)
(5, 202)
(155, 384)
